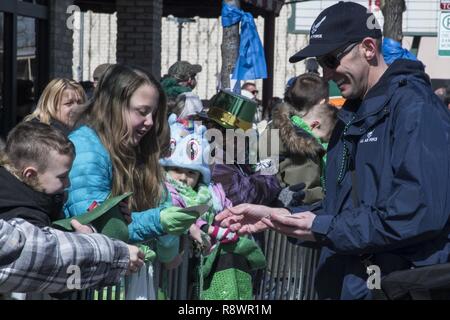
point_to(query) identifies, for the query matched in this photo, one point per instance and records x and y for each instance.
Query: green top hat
(106, 218)
(231, 110)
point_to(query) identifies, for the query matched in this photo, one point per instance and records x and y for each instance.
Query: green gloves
(149, 254)
(176, 221)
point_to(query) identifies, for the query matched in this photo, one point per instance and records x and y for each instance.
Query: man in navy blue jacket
(387, 197)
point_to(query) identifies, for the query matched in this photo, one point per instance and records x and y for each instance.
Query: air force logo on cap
(315, 27)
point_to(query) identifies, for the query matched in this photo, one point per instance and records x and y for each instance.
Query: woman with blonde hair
(60, 105)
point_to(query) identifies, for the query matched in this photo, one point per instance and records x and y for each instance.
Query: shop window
(26, 66)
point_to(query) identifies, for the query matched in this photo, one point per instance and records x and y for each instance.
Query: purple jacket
(242, 185)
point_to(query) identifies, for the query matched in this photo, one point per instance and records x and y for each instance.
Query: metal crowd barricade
(290, 270)
(288, 276)
(174, 282)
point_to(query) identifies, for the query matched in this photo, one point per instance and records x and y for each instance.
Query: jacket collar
(365, 113)
(19, 194)
(296, 141)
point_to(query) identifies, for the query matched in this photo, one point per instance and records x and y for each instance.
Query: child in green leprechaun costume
(226, 260)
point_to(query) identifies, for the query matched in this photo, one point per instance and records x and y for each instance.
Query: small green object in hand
(176, 221)
(149, 254)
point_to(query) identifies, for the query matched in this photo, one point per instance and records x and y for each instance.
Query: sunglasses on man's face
(332, 60)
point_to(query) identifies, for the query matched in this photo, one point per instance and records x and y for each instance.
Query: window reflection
(26, 65)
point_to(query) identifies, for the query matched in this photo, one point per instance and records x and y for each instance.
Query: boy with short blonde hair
(34, 171)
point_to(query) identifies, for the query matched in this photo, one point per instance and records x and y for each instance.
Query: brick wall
(60, 40)
(139, 33)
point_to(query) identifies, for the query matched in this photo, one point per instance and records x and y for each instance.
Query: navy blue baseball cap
(336, 26)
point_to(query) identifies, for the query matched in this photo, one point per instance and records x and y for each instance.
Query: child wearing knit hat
(188, 180)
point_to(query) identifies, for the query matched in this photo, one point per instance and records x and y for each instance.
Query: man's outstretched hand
(250, 218)
(297, 225)
(247, 218)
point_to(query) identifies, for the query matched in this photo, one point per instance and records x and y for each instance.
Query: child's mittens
(176, 221)
(224, 235)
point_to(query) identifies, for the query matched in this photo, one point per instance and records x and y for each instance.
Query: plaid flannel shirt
(36, 259)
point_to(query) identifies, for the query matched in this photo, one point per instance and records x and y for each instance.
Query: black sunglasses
(332, 60)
